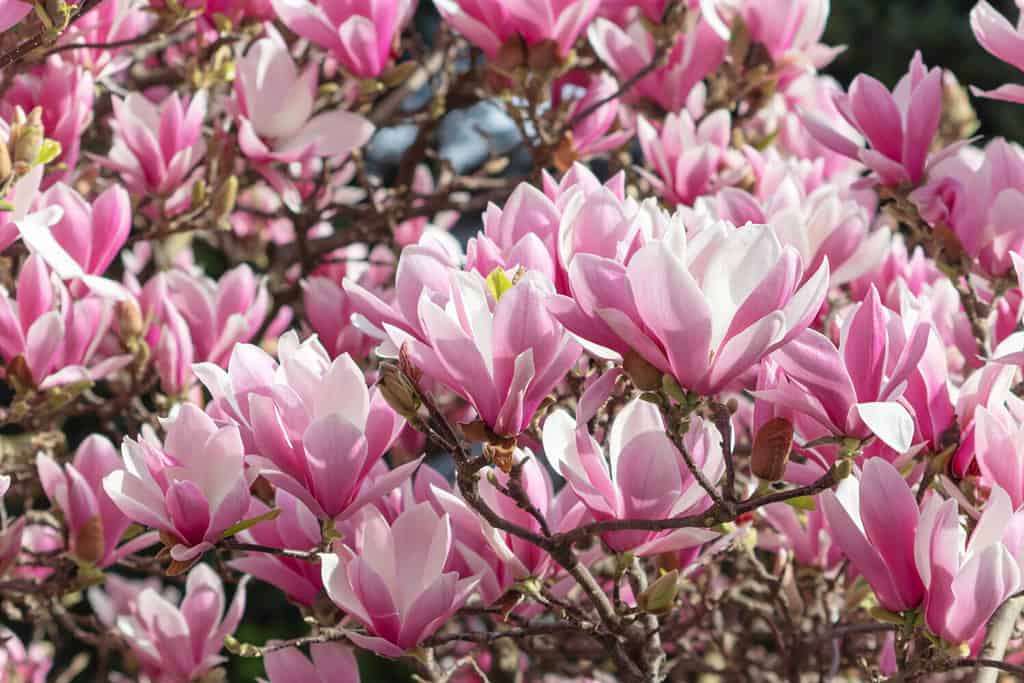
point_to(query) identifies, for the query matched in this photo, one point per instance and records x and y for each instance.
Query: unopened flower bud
(224, 200)
(28, 144)
(660, 595)
(129, 318)
(88, 542)
(5, 163)
(398, 391)
(645, 376)
(772, 447)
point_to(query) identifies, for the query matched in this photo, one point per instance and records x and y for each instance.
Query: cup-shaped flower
(643, 477)
(95, 524)
(358, 33)
(392, 579)
(181, 643)
(495, 344)
(874, 520)
(329, 310)
(899, 125)
(156, 146)
(704, 308)
(193, 486)
(854, 390)
(276, 102)
(91, 234)
(311, 425)
(965, 580)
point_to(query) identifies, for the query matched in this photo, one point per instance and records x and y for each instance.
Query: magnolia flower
(899, 125)
(493, 343)
(156, 146)
(1003, 41)
(95, 524)
(703, 308)
(11, 12)
(358, 33)
(276, 104)
(312, 426)
(19, 664)
(391, 578)
(192, 487)
(181, 643)
(91, 233)
(644, 475)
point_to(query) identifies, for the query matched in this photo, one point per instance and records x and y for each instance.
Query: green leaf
(499, 283)
(660, 595)
(246, 523)
(50, 150)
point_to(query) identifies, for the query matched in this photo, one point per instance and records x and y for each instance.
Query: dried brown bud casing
(398, 391)
(772, 447)
(645, 376)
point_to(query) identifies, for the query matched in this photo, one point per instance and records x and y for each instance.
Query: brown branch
(997, 635)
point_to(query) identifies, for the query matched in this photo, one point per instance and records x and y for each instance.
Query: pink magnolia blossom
(874, 521)
(1002, 40)
(107, 23)
(704, 308)
(328, 663)
(489, 25)
(596, 132)
(644, 475)
(181, 643)
(358, 33)
(806, 535)
(503, 352)
(965, 579)
(295, 528)
(58, 336)
(329, 311)
(95, 524)
(998, 431)
(687, 158)
(275, 102)
(193, 486)
(64, 91)
(312, 426)
(91, 233)
(853, 390)
(899, 125)
(627, 51)
(791, 32)
(391, 578)
(156, 146)
(19, 664)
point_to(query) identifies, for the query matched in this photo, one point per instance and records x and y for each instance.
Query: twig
(1000, 629)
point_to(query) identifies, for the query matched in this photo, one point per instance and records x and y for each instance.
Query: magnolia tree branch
(997, 636)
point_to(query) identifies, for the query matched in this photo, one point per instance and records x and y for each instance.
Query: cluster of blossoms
(534, 340)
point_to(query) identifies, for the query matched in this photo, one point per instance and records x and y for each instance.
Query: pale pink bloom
(65, 93)
(688, 159)
(541, 230)
(11, 12)
(311, 425)
(58, 336)
(235, 10)
(854, 390)
(295, 528)
(988, 387)
(627, 51)
(391, 578)
(704, 308)
(95, 525)
(791, 31)
(489, 24)
(329, 312)
(620, 9)
(109, 22)
(276, 103)
(358, 33)
(119, 597)
(644, 475)
(899, 125)
(816, 93)
(979, 197)
(821, 225)
(998, 436)
(192, 486)
(806, 535)
(597, 132)
(965, 580)
(22, 195)
(504, 356)
(91, 233)
(156, 146)
(19, 664)
(874, 520)
(182, 643)
(328, 663)
(1002, 40)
